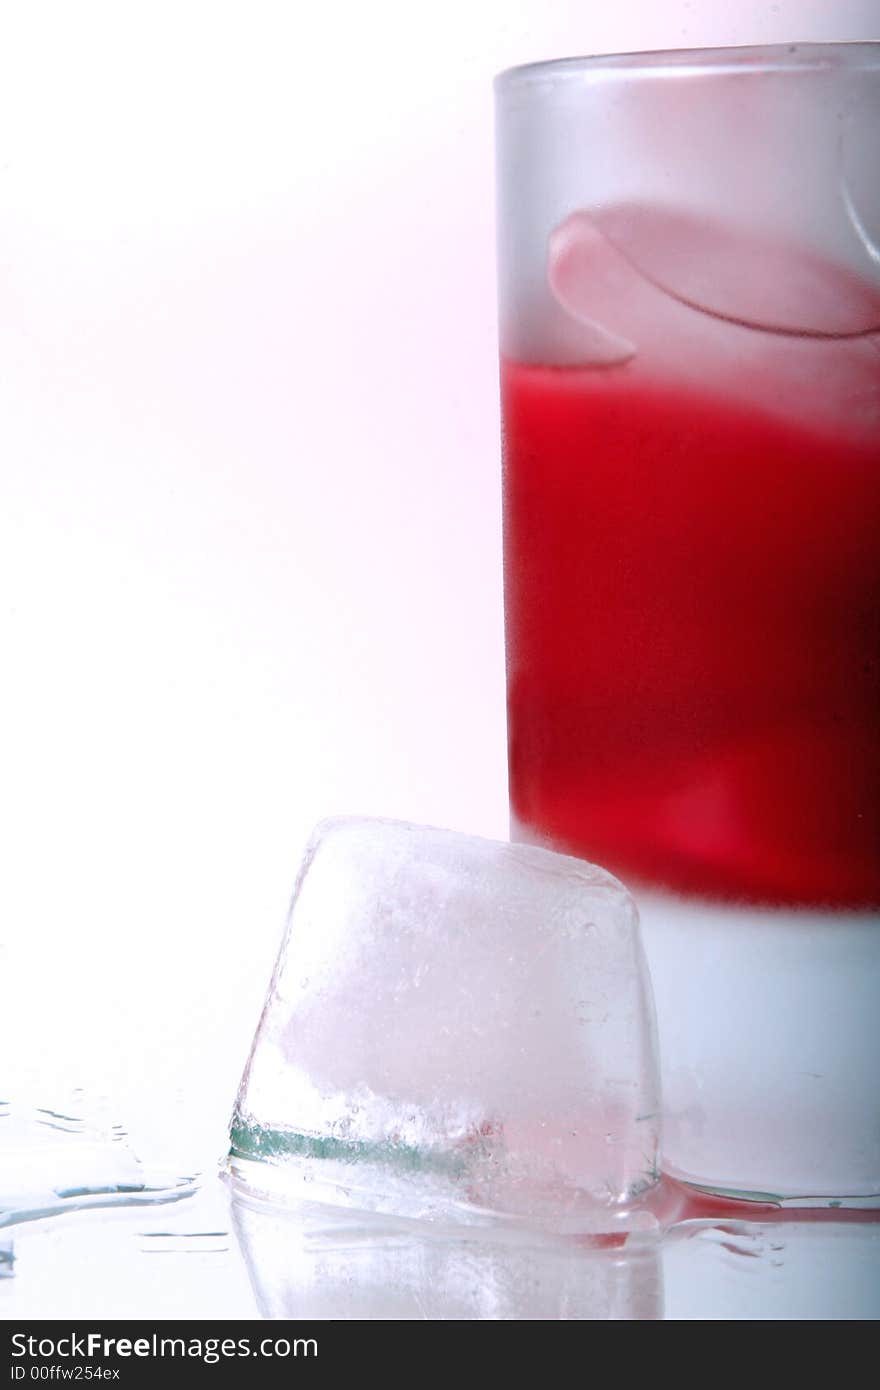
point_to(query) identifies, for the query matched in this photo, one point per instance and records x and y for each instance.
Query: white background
(250, 519)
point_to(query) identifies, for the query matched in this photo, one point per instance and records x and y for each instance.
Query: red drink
(692, 589)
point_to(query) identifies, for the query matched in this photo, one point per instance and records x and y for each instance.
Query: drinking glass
(689, 272)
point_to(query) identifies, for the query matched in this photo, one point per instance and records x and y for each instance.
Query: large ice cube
(454, 1025)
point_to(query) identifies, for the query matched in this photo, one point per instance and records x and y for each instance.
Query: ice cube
(454, 1025)
(663, 295)
(599, 258)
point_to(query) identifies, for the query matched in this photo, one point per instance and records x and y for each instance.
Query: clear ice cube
(455, 1027)
(663, 295)
(615, 259)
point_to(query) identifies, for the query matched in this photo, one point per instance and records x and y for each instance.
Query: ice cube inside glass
(456, 1028)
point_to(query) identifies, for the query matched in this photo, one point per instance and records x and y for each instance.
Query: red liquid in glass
(692, 593)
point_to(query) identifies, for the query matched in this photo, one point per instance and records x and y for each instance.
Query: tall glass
(689, 264)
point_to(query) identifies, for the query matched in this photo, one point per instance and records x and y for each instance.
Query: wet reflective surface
(89, 1227)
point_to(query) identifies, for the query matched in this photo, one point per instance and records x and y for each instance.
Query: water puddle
(74, 1154)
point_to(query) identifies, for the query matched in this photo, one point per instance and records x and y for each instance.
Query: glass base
(769, 1035)
(870, 1202)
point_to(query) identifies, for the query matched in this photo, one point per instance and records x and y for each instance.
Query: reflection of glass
(456, 1030)
(690, 336)
(773, 1270)
(314, 1262)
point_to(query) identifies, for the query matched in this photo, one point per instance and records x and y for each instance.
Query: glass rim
(861, 54)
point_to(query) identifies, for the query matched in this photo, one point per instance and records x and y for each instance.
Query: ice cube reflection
(311, 1262)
